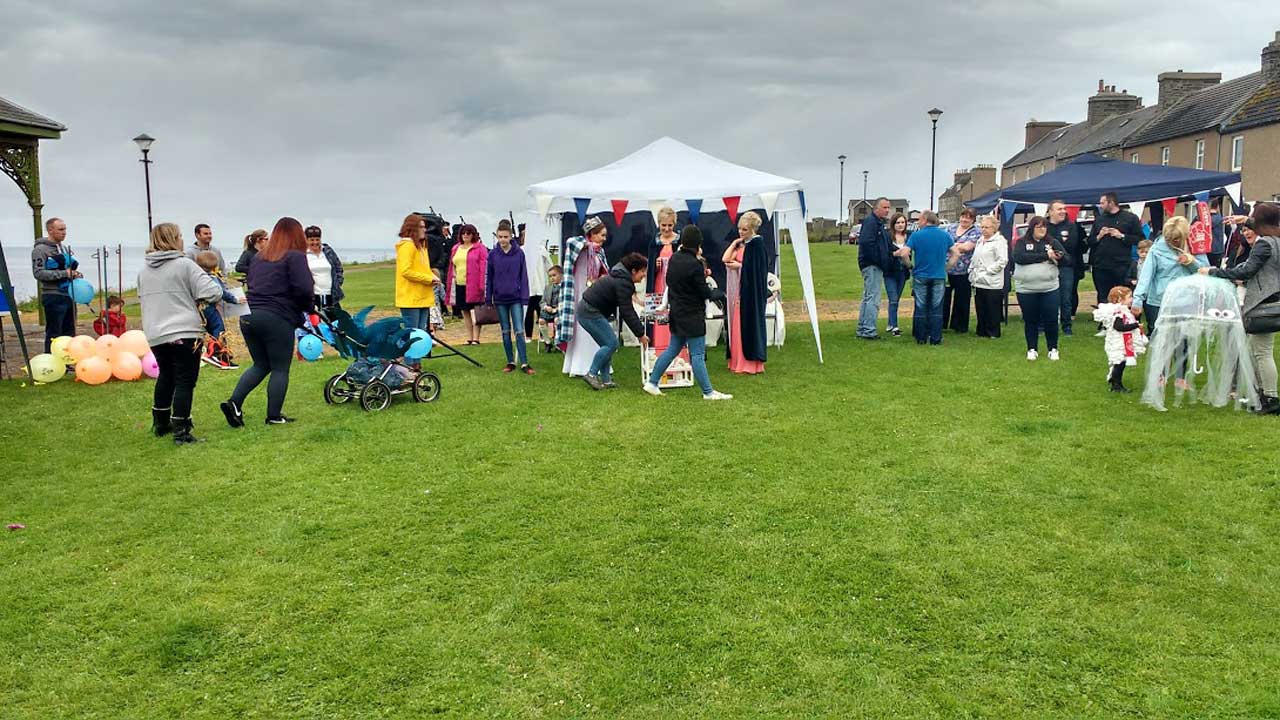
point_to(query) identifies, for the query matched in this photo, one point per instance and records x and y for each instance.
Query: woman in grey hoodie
(169, 286)
(1035, 278)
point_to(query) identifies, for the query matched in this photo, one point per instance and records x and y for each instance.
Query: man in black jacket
(1115, 233)
(1071, 267)
(873, 259)
(687, 296)
(608, 295)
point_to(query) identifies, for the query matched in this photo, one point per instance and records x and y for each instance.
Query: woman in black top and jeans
(280, 294)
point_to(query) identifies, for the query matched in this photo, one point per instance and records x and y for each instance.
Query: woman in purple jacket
(507, 289)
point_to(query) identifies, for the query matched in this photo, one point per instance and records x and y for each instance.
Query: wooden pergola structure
(20, 134)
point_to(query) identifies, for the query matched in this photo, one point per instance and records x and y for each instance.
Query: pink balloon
(93, 370)
(134, 341)
(108, 346)
(126, 366)
(150, 367)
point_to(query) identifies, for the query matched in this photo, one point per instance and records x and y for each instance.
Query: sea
(125, 264)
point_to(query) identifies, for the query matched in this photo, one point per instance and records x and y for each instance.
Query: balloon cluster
(127, 358)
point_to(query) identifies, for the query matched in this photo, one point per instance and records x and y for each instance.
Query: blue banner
(695, 209)
(804, 211)
(1008, 209)
(582, 204)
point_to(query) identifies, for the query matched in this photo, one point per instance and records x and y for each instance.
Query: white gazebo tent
(668, 172)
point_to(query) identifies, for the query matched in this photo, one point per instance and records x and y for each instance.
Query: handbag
(484, 315)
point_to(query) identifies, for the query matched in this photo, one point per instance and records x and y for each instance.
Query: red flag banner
(731, 205)
(1169, 205)
(1073, 212)
(619, 210)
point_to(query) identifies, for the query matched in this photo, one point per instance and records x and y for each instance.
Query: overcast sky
(350, 118)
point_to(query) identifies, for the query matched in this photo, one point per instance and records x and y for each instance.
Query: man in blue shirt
(929, 248)
(873, 258)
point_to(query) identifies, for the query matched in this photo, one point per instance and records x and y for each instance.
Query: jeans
(179, 363)
(872, 280)
(59, 317)
(270, 341)
(600, 330)
(987, 303)
(927, 323)
(955, 303)
(697, 358)
(510, 319)
(416, 318)
(893, 285)
(1066, 302)
(1104, 280)
(1040, 312)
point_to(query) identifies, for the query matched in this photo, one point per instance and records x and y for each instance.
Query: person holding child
(216, 352)
(506, 288)
(687, 296)
(169, 287)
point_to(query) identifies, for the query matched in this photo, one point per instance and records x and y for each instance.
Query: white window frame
(1200, 154)
(1237, 153)
(1133, 157)
(1164, 156)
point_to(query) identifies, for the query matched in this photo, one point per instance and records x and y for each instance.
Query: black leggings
(270, 341)
(179, 363)
(531, 315)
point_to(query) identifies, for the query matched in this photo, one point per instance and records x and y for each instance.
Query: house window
(1237, 153)
(1041, 168)
(1200, 154)
(1164, 155)
(1133, 158)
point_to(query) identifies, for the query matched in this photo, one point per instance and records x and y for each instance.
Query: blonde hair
(207, 260)
(982, 221)
(165, 237)
(1176, 232)
(751, 220)
(666, 212)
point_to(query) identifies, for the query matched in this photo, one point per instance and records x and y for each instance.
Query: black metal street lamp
(865, 173)
(934, 114)
(840, 210)
(144, 144)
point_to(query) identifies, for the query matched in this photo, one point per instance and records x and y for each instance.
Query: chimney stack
(1176, 85)
(1108, 103)
(1271, 61)
(1037, 130)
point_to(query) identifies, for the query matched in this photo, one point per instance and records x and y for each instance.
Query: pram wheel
(375, 396)
(426, 387)
(334, 394)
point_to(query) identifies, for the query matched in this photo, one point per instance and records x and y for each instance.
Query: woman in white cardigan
(986, 274)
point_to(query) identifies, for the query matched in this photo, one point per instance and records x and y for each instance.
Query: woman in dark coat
(687, 296)
(747, 293)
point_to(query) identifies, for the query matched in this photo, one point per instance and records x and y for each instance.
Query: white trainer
(1032, 354)
(1053, 354)
(652, 389)
(717, 395)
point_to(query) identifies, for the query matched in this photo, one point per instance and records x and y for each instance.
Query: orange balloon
(134, 341)
(81, 347)
(93, 370)
(108, 346)
(126, 366)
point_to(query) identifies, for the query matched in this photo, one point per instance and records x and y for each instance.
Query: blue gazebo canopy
(1088, 176)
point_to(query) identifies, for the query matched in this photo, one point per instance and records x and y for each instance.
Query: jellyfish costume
(1199, 330)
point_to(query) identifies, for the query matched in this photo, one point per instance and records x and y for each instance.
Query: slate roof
(1203, 110)
(1049, 145)
(1262, 108)
(1112, 132)
(18, 115)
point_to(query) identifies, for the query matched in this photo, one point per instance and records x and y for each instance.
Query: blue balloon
(81, 291)
(310, 347)
(420, 345)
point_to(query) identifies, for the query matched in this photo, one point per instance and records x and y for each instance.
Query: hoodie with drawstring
(169, 286)
(1161, 268)
(52, 264)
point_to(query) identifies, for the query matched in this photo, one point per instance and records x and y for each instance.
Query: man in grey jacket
(204, 242)
(54, 267)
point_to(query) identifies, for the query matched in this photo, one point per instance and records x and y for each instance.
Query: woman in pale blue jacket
(1167, 261)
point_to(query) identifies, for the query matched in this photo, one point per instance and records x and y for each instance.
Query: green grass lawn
(900, 532)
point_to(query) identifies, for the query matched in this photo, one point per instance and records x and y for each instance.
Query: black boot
(182, 432)
(161, 425)
(1270, 406)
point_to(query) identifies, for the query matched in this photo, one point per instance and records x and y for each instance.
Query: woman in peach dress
(746, 293)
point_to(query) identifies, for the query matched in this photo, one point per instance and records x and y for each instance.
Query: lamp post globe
(144, 144)
(840, 209)
(934, 114)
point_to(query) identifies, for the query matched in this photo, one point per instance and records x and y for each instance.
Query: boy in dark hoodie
(54, 267)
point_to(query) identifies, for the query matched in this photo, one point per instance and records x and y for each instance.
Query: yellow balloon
(58, 348)
(126, 366)
(134, 341)
(93, 370)
(45, 368)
